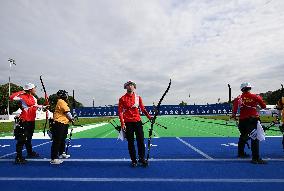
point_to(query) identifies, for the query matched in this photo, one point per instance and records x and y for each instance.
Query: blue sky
(95, 46)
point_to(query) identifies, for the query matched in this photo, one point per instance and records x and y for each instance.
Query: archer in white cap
(249, 123)
(129, 115)
(24, 132)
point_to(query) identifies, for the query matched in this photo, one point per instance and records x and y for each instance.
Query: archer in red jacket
(131, 122)
(249, 117)
(24, 132)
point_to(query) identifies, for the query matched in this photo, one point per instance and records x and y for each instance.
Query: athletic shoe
(56, 161)
(143, 162)
(20, 160)
(244, 155)
(258, 161)
(33, 155)
(64, 156)
(134, 164)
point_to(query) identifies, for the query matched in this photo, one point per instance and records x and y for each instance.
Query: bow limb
(157, 111)
(46, 102)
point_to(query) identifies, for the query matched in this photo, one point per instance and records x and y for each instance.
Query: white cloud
(95, 46)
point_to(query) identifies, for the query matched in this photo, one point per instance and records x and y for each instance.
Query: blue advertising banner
(210, 109)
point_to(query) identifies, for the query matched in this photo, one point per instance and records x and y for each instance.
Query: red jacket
(28, 105)
(128, 108)
(248, 102)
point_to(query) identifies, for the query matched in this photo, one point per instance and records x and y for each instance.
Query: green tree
(53, 100)
(182, 103)
(14, 105)
(271, 97)
(4, 96)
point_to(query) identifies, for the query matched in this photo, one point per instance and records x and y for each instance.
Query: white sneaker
(56, 161)
(64, 156)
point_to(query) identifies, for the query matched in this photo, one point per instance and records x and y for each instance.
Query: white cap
(245, 85)
(128, 83)
(29, 86)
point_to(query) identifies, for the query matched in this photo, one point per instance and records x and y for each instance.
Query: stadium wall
(210, 109)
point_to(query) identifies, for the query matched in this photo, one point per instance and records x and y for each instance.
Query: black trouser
(29, 127)
(137, 128)
(246, 126)
(59, 134)
(283, 141)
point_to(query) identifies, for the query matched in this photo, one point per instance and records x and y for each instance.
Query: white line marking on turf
(108, 134)
(152, 160)
(87, 127)
(3, 146)
(76, 146)
(229, 144)
(39, 135)
(157, 135)
(116, 179)
(25, 149)
(194, 148)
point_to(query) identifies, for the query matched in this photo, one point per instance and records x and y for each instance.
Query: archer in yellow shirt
(61, 117)
(61, 113)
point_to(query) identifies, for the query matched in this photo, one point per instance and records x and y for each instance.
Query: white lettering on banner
(164, 110)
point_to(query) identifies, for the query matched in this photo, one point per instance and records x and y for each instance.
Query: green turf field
(179, 126)
(6, 128)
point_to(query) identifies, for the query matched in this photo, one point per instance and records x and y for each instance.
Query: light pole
(230, 93)
(93, 102)
(12, 61)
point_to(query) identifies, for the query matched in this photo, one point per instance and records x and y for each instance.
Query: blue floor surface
(177, 164)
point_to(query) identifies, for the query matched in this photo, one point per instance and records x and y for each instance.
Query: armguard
(69, 115)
